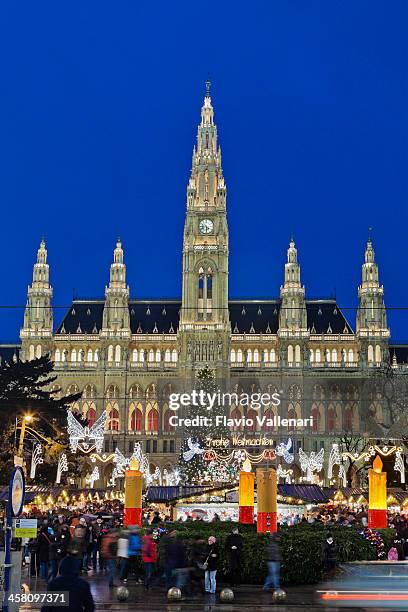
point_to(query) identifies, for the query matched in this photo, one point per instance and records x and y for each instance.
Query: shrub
(301, 548)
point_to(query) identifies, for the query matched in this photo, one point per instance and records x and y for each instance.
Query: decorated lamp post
(377, 491)
(267, 488)
(246, 494)
(133, 495)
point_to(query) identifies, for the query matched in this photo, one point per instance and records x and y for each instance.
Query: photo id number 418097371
(54, 598)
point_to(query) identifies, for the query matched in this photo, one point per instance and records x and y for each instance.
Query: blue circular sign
(17, 491)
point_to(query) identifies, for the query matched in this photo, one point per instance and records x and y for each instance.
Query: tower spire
(116, 310)
(38, 318)
(293, 309)
(371, 320)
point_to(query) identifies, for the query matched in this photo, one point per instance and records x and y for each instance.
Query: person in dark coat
(211, 560)
(43, 551)
(233, 548)
(330, 555)
(274, 559)
(79, 592)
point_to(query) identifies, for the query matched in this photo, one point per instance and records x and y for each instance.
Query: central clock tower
(204, 318)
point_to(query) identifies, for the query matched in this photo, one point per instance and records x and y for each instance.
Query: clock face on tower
(206, 226)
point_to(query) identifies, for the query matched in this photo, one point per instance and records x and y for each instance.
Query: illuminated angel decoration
(122, 463)
(86, 438)
(286, 474)
(194, 449)
(311, 463)
(282, 450)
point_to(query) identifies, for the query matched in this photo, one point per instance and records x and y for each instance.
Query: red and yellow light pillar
(377, 495)
(267, 489)
(133, 495)
(246, 494)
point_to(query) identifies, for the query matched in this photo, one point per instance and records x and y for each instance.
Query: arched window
(269, 415)
(348, 419)
(96, 355)
(334, 356)
(236, 415)
(135, 391)
(135, 355)
(31, 352)
(272, 356)
(151, 392)
(249, 356)
(233, 356)
(57, 355)
(110, 353)
(266, 355)
(117, 353)
(151, 355)
(112, 408)
(174, 356)
(91, 414)
(331, 419)
(135, 420)
(38, 351)
(311, 355)
(328, 355)
(113, 419)
(239, 356)
(252, 414)
(318, 356)
(291, 415)
(204, 305)
(297, 354)
(166, 420)
(167, 355)
(370, 354)
(158, 356)
(351, 356)
(315, 414)
(344, 356)
(256, 356)
(89, 355)
(152, 417)
(290, 354)
(81, 355)
(73, 355)
(88, 404)
(378, 353)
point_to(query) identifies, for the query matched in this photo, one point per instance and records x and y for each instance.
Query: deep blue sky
(99, 105)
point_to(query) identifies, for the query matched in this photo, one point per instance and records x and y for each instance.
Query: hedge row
(301, 549)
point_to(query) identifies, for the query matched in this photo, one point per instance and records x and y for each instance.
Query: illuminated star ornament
(84, 438)
(194, 449)
(311, 463)
(282, 450)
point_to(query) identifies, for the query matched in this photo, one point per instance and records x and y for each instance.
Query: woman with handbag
(210, 565)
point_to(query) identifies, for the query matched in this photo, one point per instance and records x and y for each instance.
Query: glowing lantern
(267, 488)
(246, 493)
(133, 495)
(377, 496)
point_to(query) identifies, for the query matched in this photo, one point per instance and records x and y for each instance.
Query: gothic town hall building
(127, 354)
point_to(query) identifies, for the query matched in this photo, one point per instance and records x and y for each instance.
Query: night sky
(99, 106)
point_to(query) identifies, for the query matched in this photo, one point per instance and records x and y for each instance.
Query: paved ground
(246, 598)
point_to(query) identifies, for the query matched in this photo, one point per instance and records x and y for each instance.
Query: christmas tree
(192, 466)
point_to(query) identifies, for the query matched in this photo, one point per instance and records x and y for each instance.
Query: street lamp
(27, 418)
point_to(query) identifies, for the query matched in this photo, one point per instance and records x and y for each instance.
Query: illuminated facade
(126, 354)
